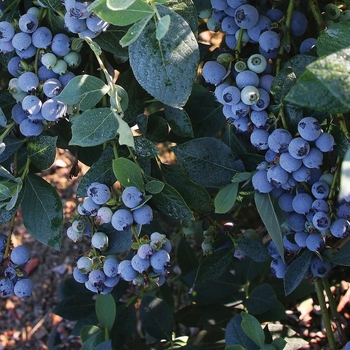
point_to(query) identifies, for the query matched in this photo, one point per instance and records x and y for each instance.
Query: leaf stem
(8, 241)
(316, 12)
(333, 189)
(333, 307)
(289, 14)
(7, 130)
(325, 315)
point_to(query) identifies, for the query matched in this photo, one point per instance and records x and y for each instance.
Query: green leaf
(170, 202)
(235, 347)
(205, 112)
(4, 173)
(154, 186)
(194, 195)
(87, 331)
(296, 271)
(226, 198)
(298, 63)
(156, 317)
(144, 147)
(282, 84)
(106, 310)
(254, 249)
(268, 215)
(235, 335)
(186, 10)
(42, 151)
(7, 214)
(214, 265)
(99, 125)
(342, 257)
(179, 121)
(261, 299)
(176, 55)
(75, 306)
(53, 4)
(186, 257)
(325, 78)
(139, 9)
(85, 90)
(3, 120)
(345, 177)
(42, 211)
(230, 138)
(116, 5)
(128, 173)
(92, 342)
(252, 327)
(334, 38)
(208, 161)
(134, 31)
(13, 144)
(163, 27)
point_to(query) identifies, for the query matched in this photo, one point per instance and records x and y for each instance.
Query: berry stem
(7, 130)
(316, 12)
(238, 44)
(333, 189)
(342, 124)
(325, 315)
(333, 307)
(8, 241)
(288, 22)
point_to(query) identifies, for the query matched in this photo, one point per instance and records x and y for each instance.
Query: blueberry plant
(257, 190)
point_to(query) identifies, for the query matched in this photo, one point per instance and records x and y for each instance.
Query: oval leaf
(41, 201)
(208, 161)
(134, 31)
(252, 328)
(296, 271)
(85, 90)
(97, 126)
(268, 215)
(226, 198)
(214, 265)
(156, 317)
(139, 9)
(128, 173)
(106, 310)
(42, 151)
(177, 54)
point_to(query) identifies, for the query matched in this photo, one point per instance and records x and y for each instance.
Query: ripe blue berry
(100, 193)
(309, 128)
(23, 288)
(246, 16)
(132, 197)
(122, 219)
(143, 215)
(213, 72)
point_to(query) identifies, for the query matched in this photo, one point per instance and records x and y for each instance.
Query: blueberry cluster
(16, 281)
(292, 169)
(237, 18)
(79, 20)
(245, 95)
(292, 174)
(101, 273)
(40, 69)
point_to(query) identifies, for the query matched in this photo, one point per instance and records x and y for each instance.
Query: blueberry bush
(256, 187)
